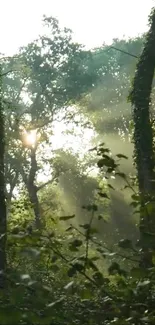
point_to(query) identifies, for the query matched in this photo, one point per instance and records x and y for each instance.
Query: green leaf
(93, 230)
(78, 266)
(144, 283)
(94, 258)
(64, 218)
(94, 207)
(86, 294)
(135, 197)
(55, 268)
(90, 207)
(107, 162)
(100, 217)
(109, 254)
(55, 303)
(15, 230)
(153, 258)
(10, 315)
(138, 273)
(150, 207)
(121, 156)
(98, 277)
(69, 285)
(76, 243)
(114, 268)
(25, 277)
(103, 150)
(71, 272)
(32, 252)
(135, 204)
(90, 264)
(125, 243)
(73, 248)
(54, 258)
(110, 186)
(126, 186)
(101, 144)
(122, 175)
(85, 226)
(101, 163)
(93, 149)
(69, 228)
(104, 195)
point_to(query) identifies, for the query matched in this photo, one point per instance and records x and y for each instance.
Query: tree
(115, 67)
(3, 227)
(54, 75)
(140, 98)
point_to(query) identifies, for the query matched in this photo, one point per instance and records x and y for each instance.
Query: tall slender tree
(3, 224)
(140, 98)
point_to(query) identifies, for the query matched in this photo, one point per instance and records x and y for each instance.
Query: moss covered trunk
(3, 225)
(140, 97)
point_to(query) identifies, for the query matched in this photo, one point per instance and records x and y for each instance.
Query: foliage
(106, 105)
(67, 271)
(140, 97)
(3, 221)
(70, 271)
(65, 275)
(46, 77)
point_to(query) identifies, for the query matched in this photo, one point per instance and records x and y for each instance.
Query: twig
(44, 184)
(105, 247)
(87, 239)
(117, 49)
(7, 72)
(122, 51)
(82, 273)
(9, 57)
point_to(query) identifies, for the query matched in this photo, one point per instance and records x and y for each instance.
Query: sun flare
(30, 137)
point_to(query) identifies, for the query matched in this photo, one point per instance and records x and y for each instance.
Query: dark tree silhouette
(3, 224)
(140, 98)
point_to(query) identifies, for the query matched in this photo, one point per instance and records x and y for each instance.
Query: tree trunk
(29, 181)
(140, 98)
(3, 224)
(32, 188)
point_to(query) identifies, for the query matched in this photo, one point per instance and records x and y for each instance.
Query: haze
(92, 22)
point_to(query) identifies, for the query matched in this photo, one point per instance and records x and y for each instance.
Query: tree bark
(32, 188)
(140, 98)
(3, 223)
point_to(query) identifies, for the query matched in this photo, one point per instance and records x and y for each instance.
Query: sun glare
(30, 137)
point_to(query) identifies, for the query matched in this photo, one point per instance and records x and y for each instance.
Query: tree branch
(6, 73)
(47, 183)
(122, 51)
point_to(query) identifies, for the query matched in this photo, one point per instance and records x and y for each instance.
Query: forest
(77, 181)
